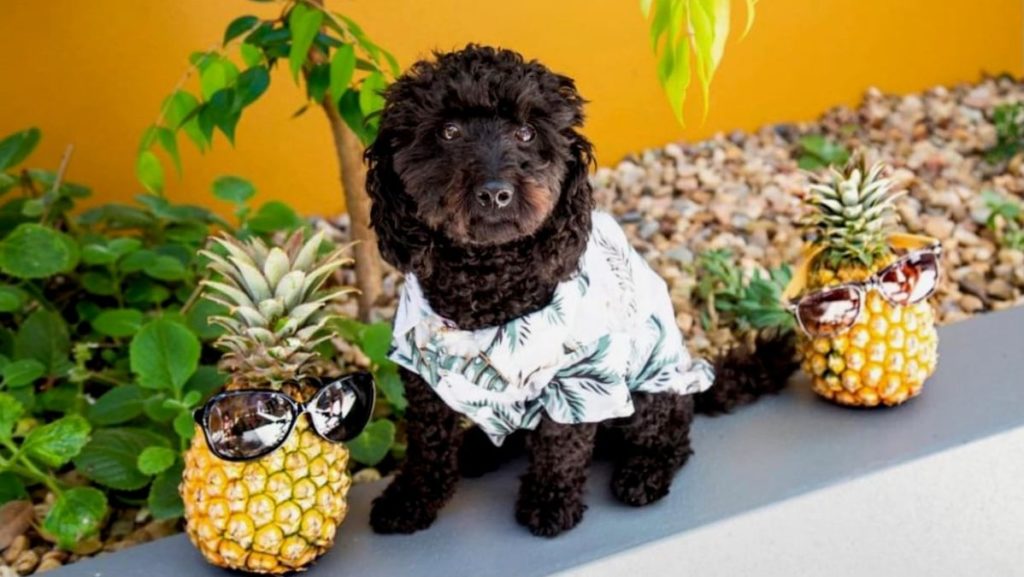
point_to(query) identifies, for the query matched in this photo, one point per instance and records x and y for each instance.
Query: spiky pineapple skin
(273, 515)
(884, 359)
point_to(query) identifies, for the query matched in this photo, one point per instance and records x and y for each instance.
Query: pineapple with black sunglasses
(266, 479)
(867, 332)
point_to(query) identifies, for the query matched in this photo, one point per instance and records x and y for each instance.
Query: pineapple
(890, 351)
(280, 512)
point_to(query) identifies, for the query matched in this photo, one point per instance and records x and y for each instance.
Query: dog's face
(482, 143)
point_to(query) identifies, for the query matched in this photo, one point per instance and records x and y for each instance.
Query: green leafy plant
(688, 34)
(1005, 219)
(727, 299)
(104, 346)
(379, 438)
(817, 151)
(344, 73)
(1009, 122)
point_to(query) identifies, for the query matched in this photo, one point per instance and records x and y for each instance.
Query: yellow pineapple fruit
(886, 356)
(278, 513)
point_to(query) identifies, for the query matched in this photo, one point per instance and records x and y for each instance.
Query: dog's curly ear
(401, 240)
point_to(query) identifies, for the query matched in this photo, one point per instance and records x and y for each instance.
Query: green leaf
(304, 22)
(56, 443)
(217, 73)
(118, 405)
(274, 216)
(348, 107)
(76, 515)
(252, 84)
(233, 189)
(343, 66)
(12, 299)
(317, 80)
(239, 26)
(111, 457)
(372, 445)
(164, 354)
(198, 318)
(179, 114)
(11, 488)
(44, 337)
(154, 408)
(98, 283)
(16, 147)
(391, 385)
(10, 411)
(184, 425)
(164, 500)
(22, 372)
(33, 251)
(118, 322)
(155, 460)
(370, 98)
(97, 254)
(166, 268)
(169, 142)
(63, 398)
(375, 340)
(251, 54)
(149, 172)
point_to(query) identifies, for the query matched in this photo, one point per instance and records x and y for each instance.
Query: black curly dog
(479, 185)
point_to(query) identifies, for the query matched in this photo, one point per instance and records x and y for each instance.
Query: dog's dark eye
(525, 133)
(450, 131)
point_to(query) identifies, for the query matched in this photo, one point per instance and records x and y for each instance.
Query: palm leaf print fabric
(608, 331)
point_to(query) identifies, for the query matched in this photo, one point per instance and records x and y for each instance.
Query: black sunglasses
(247, 424)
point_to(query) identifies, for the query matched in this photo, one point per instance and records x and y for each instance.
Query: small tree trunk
(357, 203)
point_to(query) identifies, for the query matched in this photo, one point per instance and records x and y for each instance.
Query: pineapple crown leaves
(851, 210)
(275, 301)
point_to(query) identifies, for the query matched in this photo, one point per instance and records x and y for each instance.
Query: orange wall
(93, 73)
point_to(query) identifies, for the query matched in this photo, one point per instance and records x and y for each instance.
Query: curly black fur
(745, 373)
(449, 127)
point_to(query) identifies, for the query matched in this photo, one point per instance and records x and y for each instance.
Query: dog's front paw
(641, 481)
(548, 510)
(401, 510)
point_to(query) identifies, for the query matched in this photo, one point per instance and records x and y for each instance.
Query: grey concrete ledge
(760, 458)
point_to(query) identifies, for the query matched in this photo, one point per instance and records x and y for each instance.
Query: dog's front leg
(551, 493)
(427, 478)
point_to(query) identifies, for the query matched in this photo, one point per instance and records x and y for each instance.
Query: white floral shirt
(608, 331)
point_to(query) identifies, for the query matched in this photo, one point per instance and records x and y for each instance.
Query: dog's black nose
(495, 193)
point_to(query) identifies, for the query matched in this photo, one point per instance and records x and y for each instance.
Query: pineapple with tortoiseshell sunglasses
(867, 332)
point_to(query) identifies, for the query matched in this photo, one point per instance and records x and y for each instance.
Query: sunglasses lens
(342, 408)
(911, 280)
(829, 311)
(247, 425)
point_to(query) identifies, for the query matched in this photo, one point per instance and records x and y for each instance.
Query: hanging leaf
(233, 189)
(10, 411)
(239, 26)
(251, 85)
(343, 66)
(218, 73)
(149, 172)
(16, 147)
(370, 98)
(304, 22)
(180, 113)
